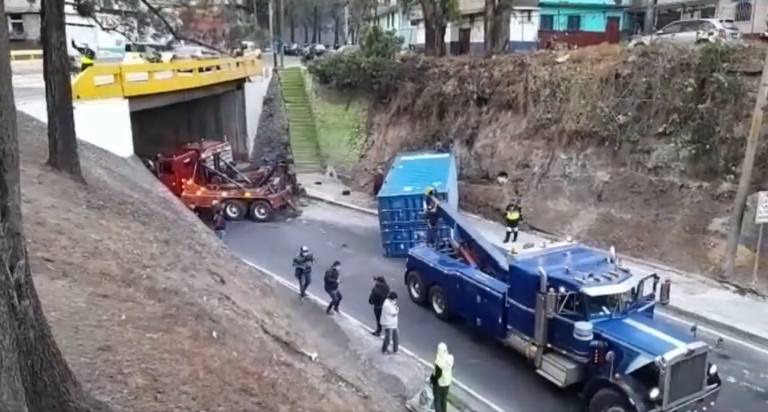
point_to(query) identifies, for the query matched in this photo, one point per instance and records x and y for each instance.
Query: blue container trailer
(579, 316)
(402, 198)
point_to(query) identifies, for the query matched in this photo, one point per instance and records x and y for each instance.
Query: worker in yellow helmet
(430, 214)
(513, 216)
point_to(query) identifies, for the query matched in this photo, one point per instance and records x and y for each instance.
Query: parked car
(692, 32)
(292, 49)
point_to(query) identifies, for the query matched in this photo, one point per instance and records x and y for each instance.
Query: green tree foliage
(437, 14)
(372, 71)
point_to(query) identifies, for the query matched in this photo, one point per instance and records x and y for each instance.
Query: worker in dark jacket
(378, 181)
(332, 280)
(378, 296)
(430, 214)
(87, 55)
(303, 269)
(513, 216)
(219, 223)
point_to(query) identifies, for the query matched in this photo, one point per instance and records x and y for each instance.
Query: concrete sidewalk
(694, 296)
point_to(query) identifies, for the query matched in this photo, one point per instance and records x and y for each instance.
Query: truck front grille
(686, 377)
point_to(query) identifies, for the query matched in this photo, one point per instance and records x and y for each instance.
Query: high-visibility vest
(446, 366)
(86, 60)
(513, 215)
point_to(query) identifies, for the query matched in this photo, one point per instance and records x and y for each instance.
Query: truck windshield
(609, 305)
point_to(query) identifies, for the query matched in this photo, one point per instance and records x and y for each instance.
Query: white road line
(710, 331)
(293, 287)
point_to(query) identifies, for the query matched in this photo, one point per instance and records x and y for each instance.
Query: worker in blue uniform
(430, 214)
(303, 269)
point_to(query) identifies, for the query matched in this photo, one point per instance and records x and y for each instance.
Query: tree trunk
(62, 139)
(315, 26)
(336, 28)
(434, 36)
(498, 14)
(293, 28)
(33, 373)
(306, 33)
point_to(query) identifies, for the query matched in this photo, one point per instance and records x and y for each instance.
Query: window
(547, 22)
(15, 24)
(574, 23)
(690, 26)
(526, 16)
(743, 11)
(671, 28)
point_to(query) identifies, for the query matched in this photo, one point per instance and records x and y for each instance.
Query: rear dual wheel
(258, 210)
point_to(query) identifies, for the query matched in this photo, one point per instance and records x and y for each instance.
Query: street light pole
(281, 12)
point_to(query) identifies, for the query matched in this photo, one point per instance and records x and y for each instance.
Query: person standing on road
(219, 223)
(303, 270)
(441, 377)
(513, 216)
(332, 280)
(389, 314)
(377, 298)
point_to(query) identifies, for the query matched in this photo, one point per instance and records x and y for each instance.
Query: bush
(372, 71)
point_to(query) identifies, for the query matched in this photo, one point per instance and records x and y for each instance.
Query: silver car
(692, 32)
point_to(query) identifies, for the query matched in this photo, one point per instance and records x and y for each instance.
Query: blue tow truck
(576, 313)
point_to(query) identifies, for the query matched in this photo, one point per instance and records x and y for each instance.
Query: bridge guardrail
(103, 81)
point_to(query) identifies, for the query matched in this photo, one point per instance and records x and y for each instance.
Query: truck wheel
(233, 209)
(439, 303)
(416, 288)
(261, 211)
(610, 400)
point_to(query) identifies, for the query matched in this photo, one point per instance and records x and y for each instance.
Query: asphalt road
(492, 371)
(28, 84)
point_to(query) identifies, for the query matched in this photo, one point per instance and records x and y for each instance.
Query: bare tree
(34, 376)
(62, 139)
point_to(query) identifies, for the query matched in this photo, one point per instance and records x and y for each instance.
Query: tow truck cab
(579, 315)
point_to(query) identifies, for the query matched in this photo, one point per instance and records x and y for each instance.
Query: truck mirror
(664, 293)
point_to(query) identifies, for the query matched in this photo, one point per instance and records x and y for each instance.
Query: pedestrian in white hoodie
(442, 377)
(389, 314)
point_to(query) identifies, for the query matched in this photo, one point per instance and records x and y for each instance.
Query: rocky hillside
(636, 149)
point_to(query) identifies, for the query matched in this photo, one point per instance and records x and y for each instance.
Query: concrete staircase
(301, 124)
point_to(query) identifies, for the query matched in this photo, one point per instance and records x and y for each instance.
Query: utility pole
(282, 33)
(746, 173)
(272, 33)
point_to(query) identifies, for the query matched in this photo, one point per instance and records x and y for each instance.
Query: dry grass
(153, 315)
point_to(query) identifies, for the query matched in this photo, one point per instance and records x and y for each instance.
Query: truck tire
(233, 209)
(416, 288)
(610, 400)
(439, 303)
(260, 211)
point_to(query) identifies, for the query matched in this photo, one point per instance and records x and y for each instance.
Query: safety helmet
(430, 191)
(304, 249)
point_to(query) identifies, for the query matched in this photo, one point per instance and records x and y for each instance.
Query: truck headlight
(712, 369)
(654, 394)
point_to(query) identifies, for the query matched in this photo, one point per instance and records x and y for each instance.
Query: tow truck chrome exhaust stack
(542, 318)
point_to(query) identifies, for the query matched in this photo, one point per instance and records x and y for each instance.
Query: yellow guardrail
(26, 55)
(103, 81)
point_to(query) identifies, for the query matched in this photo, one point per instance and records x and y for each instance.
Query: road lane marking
(710, 331)
(422, 361)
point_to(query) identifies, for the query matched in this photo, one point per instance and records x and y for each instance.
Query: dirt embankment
(636, 149)
(153, 315)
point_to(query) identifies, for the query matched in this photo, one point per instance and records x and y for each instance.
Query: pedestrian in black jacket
(332, 280)
(378, 296)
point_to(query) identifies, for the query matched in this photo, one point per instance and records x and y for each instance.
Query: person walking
(389, 314)
(332, 280)
(303, 269)
(378, 296)
(219, 224)
(441, 377)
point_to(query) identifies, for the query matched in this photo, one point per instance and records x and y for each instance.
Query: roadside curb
(761, 340)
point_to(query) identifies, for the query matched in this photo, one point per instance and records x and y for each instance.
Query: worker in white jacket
(389, 314)
(442, 377)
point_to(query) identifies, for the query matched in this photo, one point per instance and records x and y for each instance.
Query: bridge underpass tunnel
(162, 123)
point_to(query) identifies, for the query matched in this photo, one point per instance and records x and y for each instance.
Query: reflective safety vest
(445, 363)
(513, 215)
(86, 60)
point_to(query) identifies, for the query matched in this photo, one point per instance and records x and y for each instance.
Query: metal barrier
(104, 81)
(26, 55)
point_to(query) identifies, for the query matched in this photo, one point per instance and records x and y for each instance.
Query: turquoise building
(583, 22)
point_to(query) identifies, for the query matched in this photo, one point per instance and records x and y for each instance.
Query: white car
(692, 32)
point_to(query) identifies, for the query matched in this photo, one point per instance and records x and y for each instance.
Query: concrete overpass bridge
(144, 109)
